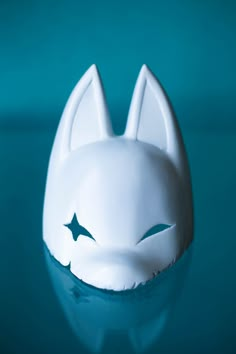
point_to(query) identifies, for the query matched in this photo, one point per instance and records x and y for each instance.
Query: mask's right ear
(85, 118)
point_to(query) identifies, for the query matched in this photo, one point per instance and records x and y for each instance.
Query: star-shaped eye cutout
(155, 230)
(77, 230)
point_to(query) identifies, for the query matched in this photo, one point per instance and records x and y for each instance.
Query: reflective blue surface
(108, 321)
(195, 310)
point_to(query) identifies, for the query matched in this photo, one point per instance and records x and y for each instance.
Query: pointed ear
(85, 118)
(151, 118)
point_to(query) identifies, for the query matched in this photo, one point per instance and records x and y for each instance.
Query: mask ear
(85, 118)
(151, 118)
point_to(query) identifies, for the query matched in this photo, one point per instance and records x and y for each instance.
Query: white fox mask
(118, 209)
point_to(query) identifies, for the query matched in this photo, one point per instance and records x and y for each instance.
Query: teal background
(45, 47)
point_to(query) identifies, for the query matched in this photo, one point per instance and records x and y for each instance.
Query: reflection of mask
(118, 209)
(117, 322)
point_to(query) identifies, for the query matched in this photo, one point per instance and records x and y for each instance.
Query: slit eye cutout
(155, 230)
(77, 229)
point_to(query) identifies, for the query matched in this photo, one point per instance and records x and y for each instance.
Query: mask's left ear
(151, 119)
(85, 118)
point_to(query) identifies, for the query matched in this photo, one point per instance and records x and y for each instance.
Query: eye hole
(155, 230)
(77, 229)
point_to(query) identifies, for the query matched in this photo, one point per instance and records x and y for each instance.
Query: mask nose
(121, 277)
(118, 271)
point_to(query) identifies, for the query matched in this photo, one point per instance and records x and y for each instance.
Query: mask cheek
(161, 250)
(61, 245)
(82, 256)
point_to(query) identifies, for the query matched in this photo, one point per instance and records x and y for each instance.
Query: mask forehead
(122, 191)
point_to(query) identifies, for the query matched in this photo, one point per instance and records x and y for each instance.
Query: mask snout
(114, 270)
